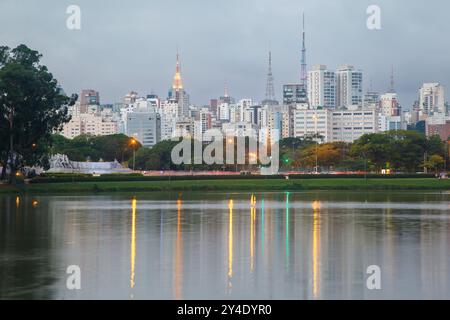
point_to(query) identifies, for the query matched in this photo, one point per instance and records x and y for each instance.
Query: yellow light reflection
(35, 203)
(316, 247)
(230, 242)
(252, 231)
(178, 276)
(17, 201)
(133, 241)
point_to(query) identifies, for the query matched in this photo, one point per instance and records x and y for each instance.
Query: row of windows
(355, 128)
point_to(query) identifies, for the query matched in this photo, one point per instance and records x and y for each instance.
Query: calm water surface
(314, 245)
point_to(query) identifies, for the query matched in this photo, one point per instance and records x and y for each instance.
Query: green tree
(95, 148)
(32, 106)
(435, 162)
(402, 150)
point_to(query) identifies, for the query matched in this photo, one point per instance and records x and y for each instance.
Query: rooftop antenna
(392, 85)
(270, 91)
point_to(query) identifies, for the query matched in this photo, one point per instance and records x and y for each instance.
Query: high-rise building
(312, 123)
(144, 124)
(213, 103)
(371, 100)
(89, 123)
(293, 94)
(350, 125)
(177, 92)
(89, 98)
(349, 88)
(204, 120)
(431, 99)
(223, 112)
(389, 105)
(321, 87)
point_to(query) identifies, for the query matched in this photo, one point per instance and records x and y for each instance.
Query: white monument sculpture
(60, 163)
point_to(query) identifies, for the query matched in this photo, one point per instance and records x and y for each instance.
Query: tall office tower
(213, 103)
(270, 99)
(322, 87)
(389, 105)
(177, 92)
(204, 120)
(349, 88)
(89, 98)
(431, 99)
(144, 124)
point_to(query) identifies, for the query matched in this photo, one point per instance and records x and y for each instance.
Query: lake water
(309, 245)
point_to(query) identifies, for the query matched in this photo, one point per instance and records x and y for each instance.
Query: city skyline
(225, 54)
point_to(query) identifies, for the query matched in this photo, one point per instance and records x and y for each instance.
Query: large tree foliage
(398, 150)
(95, 148)
(32, 106)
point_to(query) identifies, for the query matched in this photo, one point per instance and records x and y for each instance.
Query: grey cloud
(125, 45)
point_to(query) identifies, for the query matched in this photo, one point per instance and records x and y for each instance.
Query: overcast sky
(131, 45)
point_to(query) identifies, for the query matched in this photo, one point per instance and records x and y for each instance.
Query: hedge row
(138, 177)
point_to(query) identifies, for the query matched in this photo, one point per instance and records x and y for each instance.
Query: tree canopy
(32, 106)
(94, 148)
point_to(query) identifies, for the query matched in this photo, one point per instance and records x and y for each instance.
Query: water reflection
(252, 231)
(316, 247)
(178, 274)
(133, 241)
(230, 244)
(270, 245)
(287, 229)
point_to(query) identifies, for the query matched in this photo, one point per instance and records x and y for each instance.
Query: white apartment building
(350, 125)
(349, 87)
(311, 122)
(88, 123)
(322, 87)
(223, 111)
(389, 105)
(431, 99)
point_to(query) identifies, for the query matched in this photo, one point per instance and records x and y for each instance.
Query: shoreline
(232, 185)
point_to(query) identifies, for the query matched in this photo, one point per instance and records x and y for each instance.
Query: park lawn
(235, 185)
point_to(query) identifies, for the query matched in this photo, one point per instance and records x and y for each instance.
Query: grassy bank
(234, 185)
